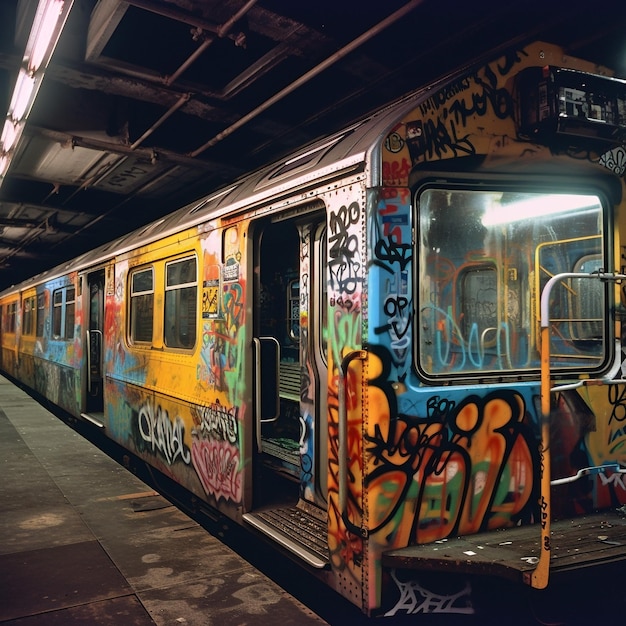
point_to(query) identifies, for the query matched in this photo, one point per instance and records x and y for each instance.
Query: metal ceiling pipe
(189, 61)
(175, 14)
(226, 26)
(179, 103)
(222, 31)
(366, 36)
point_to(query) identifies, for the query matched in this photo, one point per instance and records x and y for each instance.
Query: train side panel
(175, 377)
(10, 333)
(42, 342)
(27, 336)
(59, 353)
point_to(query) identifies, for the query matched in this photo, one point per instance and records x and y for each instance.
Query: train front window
(485, 257)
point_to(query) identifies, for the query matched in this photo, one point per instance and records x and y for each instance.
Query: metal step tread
(295, 529)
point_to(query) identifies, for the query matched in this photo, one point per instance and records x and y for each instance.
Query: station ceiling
(149, 104)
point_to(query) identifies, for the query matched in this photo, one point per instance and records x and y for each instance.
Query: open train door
(94, 318)
(291, 439)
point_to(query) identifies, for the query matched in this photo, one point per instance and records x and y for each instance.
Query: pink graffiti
(217, 465)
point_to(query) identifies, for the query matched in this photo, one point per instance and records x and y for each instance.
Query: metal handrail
(538, 578)
(257, 388)
(588, 471)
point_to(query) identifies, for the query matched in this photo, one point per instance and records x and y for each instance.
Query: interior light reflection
(537, 206)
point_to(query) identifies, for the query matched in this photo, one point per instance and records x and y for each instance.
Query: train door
(95, 328)
(291, 467)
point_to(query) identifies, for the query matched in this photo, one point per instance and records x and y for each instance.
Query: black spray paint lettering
(345, 262)
(220, 422)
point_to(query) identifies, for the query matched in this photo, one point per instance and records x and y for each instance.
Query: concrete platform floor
(83, 541)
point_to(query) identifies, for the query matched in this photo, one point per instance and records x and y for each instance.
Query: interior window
(587, 301)
(485, 257)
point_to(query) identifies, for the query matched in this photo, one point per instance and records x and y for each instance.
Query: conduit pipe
(318, 69)
(179, 103)
(222, 31)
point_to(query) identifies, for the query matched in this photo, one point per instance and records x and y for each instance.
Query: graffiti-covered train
(383, 349)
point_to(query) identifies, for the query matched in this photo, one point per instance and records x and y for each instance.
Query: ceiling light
(4, 164)
(50, 17)
(9, 135)
(44, 34)
(23, 96)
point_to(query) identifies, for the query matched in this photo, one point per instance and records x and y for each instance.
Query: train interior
(288, 505)
(279, 318)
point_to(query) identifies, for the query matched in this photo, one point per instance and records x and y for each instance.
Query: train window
(63, 313)
(69, 312)
(181, 296)
(10, 324)
(141, 305)
(28, 316)
(41, 313)
(57, 312)
(485, 257)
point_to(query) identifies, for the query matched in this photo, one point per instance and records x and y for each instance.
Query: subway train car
(396, 355)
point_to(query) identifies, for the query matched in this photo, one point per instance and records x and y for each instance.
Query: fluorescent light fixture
(537, 206)
(4, 164)
(48, 23)
(44, 34)
(10, 135)
(23, 96)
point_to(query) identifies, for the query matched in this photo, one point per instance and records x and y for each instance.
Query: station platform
(84, 541)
